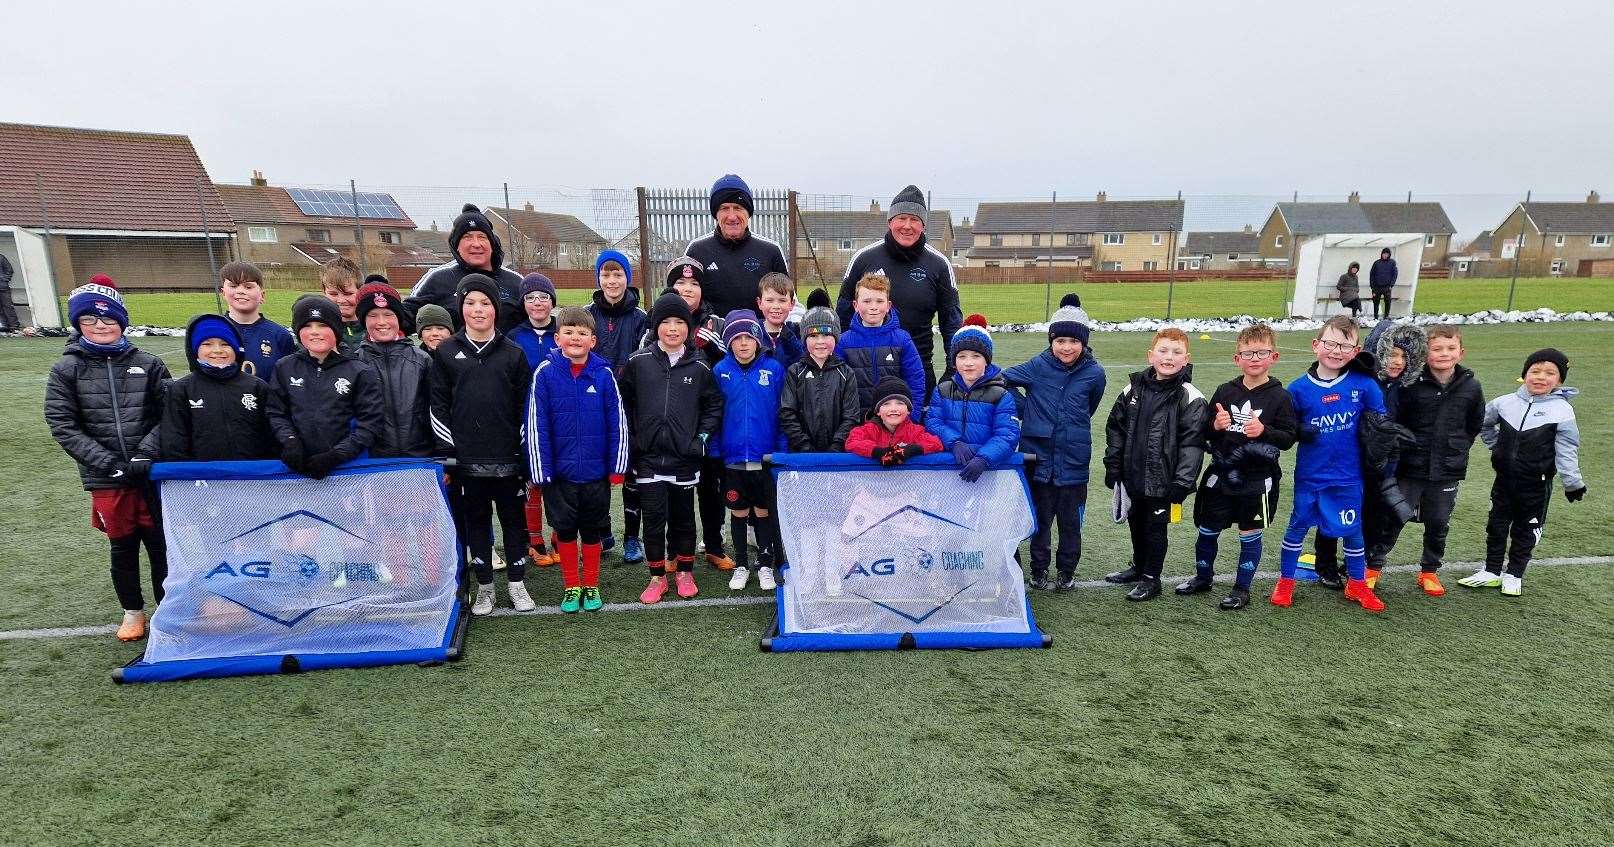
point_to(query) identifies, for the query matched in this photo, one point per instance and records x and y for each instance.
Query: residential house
(963, 240)
(1103, 234)
(138, 206)
(433, 241)
(546, 239)
(1290, 224)
(827, 239)
(1220, 251)
(308, 226)
(1557, 238)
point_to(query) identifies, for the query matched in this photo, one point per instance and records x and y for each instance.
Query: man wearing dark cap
(734, 259)
(923, 288)
(476, 250)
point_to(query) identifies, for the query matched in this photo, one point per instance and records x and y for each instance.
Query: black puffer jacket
(819, 407)
(209, 417)
(332, 406)
(104, 411)
(1172, 440)
(1445, 420)
(669, 408)
(405, 372)
(478, 404)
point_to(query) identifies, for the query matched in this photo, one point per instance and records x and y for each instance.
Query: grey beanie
(820, 321)
(909, 201)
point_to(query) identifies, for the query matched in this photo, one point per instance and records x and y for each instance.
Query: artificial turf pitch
(1469, 719)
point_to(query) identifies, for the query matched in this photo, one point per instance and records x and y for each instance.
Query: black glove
(1178, 493)
(1576, 495)
(963, 453)
(292, 454)
(973, 469)
(1111, 478)
(1397, 503)
(1307, 434)
(879, 453)
(892, 457)
(911, 451)
(320, 465)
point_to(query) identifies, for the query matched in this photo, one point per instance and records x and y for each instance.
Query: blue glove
(973, 470)
(963, 453)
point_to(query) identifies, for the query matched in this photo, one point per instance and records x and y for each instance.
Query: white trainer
(1512, 586)
(519, 598)
(498, 561)
(738, 578)
(765, 579)
(1481, 578)
(484, 601)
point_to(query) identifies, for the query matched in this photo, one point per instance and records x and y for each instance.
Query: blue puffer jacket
(576, 428)
(536, 343)
(983, 415)
(885, 350)
(750, 408)
(1059, 406)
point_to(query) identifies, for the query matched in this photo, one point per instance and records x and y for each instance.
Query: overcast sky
(984, 100)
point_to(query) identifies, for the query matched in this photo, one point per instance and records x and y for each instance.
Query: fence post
(644, 243)
(358, 230)
(792, 214)
(207, 235)
(1048, 285)
(509, 228)
(1518, 248)
(1171, 262)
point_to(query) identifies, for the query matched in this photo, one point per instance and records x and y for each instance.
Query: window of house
(846, 244)
(320, 235)
(1277, 241)
(1232, 257)
(390, 237)
(1462, 267)
(1429, 241)
(1151, 266)
(994, 264)
(560, 250)
(1114, 238)
(262, 234)
(1557, 266)
(1070, 239)
(1036, 239)
(995, 241)
(1110, 266)
(1558, 241)
(1195, 266)
(1158, 239)
(1600, 240)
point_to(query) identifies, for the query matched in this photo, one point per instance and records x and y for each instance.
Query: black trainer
(1039, 581)
(1238, 599)
(1124, 577)
(1067, 582)
(1146, 589)
(1196, 584)
(1330, 580)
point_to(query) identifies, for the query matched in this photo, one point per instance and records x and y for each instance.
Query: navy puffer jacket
(1059, 405)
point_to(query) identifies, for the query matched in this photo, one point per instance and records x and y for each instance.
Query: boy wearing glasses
(1252, 421)
(1330, 399)
(536, 336)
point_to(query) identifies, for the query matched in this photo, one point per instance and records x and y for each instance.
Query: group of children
(679, 407)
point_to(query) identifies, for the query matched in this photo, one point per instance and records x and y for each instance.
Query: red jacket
(873, 434)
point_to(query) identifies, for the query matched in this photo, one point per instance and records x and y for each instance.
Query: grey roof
(1211, 243)
(1576, 218)
(1346, 218)
(864, 226)
(1081, 216)
(1060, 252)
(549, 227)
(1482, 241)
(963, 237)
(430, 239)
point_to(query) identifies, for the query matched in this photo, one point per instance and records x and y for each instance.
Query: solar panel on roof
(324, 203)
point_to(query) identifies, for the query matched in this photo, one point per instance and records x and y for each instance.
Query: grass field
(1471, 719)
(1016, 303)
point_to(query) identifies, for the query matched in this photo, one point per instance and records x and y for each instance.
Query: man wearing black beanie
(734, 259)
(476, 249)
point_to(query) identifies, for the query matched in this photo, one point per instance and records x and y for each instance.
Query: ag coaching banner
(902, 557)
(269, 571)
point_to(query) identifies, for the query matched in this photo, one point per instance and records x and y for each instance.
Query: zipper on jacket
(117, 412)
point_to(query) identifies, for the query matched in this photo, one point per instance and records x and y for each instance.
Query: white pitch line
(759, 600)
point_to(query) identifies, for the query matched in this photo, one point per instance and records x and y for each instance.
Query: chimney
(1593, 198)
(1102, 196)
(1356, 197)
(1249, 228)
(874, 206)
(528, 206)
(967, 220)
(258, 180)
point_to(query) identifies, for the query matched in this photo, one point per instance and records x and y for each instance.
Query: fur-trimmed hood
(1412, 340)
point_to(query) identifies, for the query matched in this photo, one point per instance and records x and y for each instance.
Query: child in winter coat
(218, 411)
(265, 342)
(819, 405)
(1063, 388)
(103, 401)
(776, 299)
(339, 282)
(536, 337)
(1154, 441)
(674, 408)
(891, 437)
(577, 448)
(325, 406)
(876, 345)
(404, 371)
(751, 383)
(1532, 434)
(434, 325)
(973, 412)
(619, 323)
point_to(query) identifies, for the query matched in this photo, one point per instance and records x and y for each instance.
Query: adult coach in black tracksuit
(477, 250)
(923, 287)
(734, 259)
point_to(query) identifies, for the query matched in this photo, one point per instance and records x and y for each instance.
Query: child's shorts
(571, 506)
(120, 512)
(1216, 511)
(747, 489)
(1335, 510)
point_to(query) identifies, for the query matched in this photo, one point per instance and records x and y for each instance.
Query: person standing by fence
(923, 287)
(734, 258)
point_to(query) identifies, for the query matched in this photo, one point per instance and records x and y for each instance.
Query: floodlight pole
(207, 235)
(1048, 289)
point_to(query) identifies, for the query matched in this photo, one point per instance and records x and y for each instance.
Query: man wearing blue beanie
(734, 259)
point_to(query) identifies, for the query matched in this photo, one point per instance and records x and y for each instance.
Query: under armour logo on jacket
(296, 382)
(197, 404)
(689, 380)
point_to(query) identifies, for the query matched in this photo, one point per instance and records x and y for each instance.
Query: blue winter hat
(100, 298)
(537, 282)
(209, 327)
(972, 338)
(612, 256)
(743, 322)
(729, 188)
